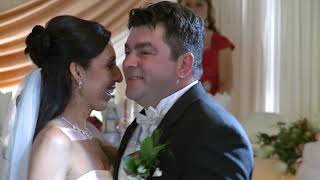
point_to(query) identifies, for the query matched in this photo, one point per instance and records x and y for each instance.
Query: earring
(80, 84)
(179, 79)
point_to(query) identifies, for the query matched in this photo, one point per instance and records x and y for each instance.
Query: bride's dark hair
(52, 48)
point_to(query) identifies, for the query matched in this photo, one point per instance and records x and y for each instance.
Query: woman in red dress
(217, 55)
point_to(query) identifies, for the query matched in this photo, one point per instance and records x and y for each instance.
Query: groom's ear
(185, 65)
(77, 72)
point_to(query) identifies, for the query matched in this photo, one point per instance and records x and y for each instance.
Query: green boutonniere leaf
(156, 137)
(131, 164)
(146, 160)
(146, 148)
(151, 148)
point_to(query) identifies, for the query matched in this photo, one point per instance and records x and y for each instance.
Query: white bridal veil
(17, 134)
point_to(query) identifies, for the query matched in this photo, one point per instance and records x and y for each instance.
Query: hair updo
(38, 43)
(52, 48)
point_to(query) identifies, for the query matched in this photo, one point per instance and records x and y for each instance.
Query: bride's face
(99, 79)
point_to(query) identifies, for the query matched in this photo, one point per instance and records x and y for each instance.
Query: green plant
(142, 164)
(287, 145)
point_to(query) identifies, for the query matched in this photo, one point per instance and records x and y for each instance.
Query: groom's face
(148, 67)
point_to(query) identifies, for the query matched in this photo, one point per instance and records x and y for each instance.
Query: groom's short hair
(184, 31)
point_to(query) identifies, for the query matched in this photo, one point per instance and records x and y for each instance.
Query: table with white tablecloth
(264, 170)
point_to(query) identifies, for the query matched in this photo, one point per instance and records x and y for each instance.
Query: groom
(162, 68)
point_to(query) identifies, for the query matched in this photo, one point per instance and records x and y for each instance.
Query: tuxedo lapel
(126, 137)
(177, 110)
(123, 145)
(124, 142)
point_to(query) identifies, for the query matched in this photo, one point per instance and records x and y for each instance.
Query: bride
(76, 74)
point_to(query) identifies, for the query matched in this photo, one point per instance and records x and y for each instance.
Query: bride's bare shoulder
(52, 135)
(51, 149)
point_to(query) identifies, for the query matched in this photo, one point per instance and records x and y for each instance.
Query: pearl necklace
(84, 132)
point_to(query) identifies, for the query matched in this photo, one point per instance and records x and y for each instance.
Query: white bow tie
(148, 122)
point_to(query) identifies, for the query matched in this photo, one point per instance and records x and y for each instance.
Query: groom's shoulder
(206, 113)
(207, 108)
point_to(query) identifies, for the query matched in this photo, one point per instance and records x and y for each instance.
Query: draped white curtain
(276, 60)
(297, 87)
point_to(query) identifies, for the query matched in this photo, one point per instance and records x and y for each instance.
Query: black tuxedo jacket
(207, 142)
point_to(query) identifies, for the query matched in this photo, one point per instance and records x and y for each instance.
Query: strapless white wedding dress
(93, 174)
(96, 175)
